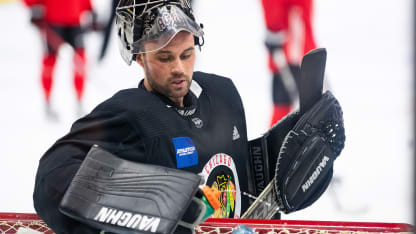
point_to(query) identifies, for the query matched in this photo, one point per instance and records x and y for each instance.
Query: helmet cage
(157, 21)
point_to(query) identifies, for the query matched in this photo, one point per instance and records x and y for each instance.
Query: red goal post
(11, 222)
(302, 226)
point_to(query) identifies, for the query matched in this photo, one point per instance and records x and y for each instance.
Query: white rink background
(369, 69)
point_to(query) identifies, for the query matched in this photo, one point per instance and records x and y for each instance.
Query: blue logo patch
(186, 154)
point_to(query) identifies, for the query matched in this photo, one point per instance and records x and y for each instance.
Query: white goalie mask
(145, 26)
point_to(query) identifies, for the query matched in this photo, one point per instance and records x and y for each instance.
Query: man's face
(169, 70)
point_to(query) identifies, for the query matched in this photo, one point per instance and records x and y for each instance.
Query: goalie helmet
(155, 21)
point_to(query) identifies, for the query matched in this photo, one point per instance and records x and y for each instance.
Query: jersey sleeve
(110, 130)
(88, 5)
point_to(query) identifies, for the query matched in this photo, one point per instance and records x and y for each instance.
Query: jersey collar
(190, 100)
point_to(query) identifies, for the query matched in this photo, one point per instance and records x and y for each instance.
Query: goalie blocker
(297, 157)
(120, 196)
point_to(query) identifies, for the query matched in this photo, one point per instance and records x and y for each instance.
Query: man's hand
(37, 15)
(92, 23)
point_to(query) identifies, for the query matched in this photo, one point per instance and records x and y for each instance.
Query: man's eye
(186, 56)
(164, 59)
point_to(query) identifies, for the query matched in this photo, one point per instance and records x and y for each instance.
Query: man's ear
(139, 59)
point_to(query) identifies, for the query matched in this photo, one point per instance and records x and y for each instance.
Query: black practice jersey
(208, 136)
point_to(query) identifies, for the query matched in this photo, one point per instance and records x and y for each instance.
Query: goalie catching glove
(303, 149)
(120, 196)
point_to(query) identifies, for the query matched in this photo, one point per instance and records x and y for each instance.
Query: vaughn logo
(315, 174)
(260, 176)
(127, 219)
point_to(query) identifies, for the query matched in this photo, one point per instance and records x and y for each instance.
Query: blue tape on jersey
(186, 154)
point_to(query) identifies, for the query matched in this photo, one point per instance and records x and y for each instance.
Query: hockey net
(12, 222)
(302, 227)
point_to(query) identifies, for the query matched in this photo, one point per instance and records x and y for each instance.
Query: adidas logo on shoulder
(236, 135)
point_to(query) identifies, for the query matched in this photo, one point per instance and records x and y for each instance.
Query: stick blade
(312, 72)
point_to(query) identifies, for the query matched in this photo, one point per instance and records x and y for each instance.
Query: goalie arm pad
(120, 196)
(263, 152)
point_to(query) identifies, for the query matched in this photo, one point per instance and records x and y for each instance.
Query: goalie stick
(310, 91)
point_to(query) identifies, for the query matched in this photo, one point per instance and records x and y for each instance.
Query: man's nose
(177, 67)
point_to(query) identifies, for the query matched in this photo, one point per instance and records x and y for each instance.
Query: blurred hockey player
(60, 22)
(166, 155)
(289, 36)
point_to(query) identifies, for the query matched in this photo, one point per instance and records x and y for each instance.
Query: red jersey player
(60, 22)
(289, 36)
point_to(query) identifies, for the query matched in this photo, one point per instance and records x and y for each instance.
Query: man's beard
(167, 89)
(171, 92)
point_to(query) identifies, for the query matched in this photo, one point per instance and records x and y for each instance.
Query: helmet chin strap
(199, 41)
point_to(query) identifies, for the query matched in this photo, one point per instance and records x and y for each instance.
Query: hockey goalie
(168, 154)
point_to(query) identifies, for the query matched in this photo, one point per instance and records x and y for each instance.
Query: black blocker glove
(120, 196)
